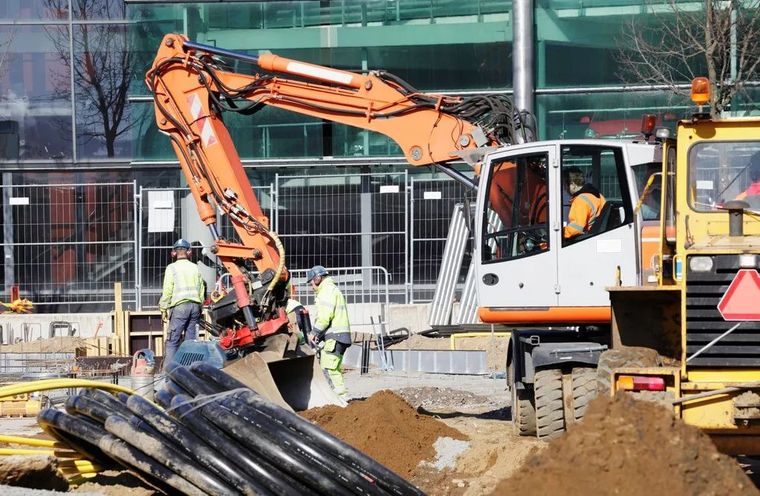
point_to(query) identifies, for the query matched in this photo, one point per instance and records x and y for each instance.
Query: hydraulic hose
(275, 480)
(169, 456)
(330, 466)
(259, 443)
(194, 446)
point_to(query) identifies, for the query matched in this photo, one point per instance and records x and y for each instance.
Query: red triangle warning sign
(742, 298)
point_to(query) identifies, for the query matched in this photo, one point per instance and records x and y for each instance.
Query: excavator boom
(192, 86)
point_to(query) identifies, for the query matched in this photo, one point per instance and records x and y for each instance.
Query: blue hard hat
(181, 244)
(315, 271)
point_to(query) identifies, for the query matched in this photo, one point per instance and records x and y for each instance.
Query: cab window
(723, 171)
(516, 218)
(593, 179)
(650, 203)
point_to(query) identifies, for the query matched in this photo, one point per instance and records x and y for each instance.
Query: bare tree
(103, 67)
(675, 42)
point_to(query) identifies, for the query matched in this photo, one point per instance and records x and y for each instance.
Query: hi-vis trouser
(331, 359)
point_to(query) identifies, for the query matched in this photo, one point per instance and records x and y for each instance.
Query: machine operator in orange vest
(585, 205)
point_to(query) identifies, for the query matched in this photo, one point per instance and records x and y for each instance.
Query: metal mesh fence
(432, 202)
(356, 220)
(65, 245)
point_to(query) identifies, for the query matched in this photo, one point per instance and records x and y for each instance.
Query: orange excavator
(192, 86)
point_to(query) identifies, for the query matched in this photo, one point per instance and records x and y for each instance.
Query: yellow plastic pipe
(28, 441)
(453, 338)
(48, 384)
(48, 452)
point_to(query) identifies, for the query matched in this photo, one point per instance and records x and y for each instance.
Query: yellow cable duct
(28, 441)
(28, 451)
(48, 384)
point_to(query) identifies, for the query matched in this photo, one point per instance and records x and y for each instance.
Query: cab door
(606, 252)
(515, 254)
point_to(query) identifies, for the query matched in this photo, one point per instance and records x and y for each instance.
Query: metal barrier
(66, 245)
(366, 290)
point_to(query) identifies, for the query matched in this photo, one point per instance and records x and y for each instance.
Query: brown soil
(628, 447)
(115, 483)
(386, 428)
(34, 472)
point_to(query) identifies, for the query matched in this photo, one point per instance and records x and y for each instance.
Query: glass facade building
(74, 108)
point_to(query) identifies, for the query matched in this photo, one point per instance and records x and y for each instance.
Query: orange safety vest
(584, 211)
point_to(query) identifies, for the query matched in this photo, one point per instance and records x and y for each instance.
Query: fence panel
(366, 289)
(155, 247)
(65, 245)
(432, 204)
(347, 220)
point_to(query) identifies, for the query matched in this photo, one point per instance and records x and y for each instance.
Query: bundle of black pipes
(215, 436)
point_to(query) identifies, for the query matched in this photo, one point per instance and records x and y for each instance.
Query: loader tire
(622, 357)
(584, 390)
(550, 412)
(523, 412)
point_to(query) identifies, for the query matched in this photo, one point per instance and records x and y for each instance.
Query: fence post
(137, 205)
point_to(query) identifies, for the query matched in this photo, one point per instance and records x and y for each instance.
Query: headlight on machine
(700, 264)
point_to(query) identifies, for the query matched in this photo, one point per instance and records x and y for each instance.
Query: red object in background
(742, 298)
(15, 293)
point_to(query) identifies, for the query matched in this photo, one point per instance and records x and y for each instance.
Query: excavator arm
(192, 87)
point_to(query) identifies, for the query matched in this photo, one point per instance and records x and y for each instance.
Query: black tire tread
(550, 414)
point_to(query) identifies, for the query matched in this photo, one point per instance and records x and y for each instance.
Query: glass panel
(593, 178)
(516, 219)
(652, 195)
(720, 172)
(35, 96)
(578, 42)
(98, 9)
(34, 10)
(103, 71)
(606, 115)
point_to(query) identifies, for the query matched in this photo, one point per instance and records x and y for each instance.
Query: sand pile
(629, 447)
(386, 428)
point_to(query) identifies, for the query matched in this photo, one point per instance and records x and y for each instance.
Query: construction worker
(331, 332)
(181, 299)
(754, 175)
(586, 203)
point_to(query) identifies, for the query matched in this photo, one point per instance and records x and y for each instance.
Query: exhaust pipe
(736, 217)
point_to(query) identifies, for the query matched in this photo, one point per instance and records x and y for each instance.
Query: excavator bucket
(286, 373)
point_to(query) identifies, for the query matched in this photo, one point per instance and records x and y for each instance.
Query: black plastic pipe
(189, 381)
(258, 442)
(278, 482)
(167, 455)
(330, 466)
(194, 446)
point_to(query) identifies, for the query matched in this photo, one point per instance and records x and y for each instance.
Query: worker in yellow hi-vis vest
(331, 329)
(181, 299)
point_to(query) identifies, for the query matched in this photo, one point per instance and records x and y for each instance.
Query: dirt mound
(386, 428)
(34, 472)
(629, 447)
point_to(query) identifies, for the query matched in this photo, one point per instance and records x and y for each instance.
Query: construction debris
(629, 447)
